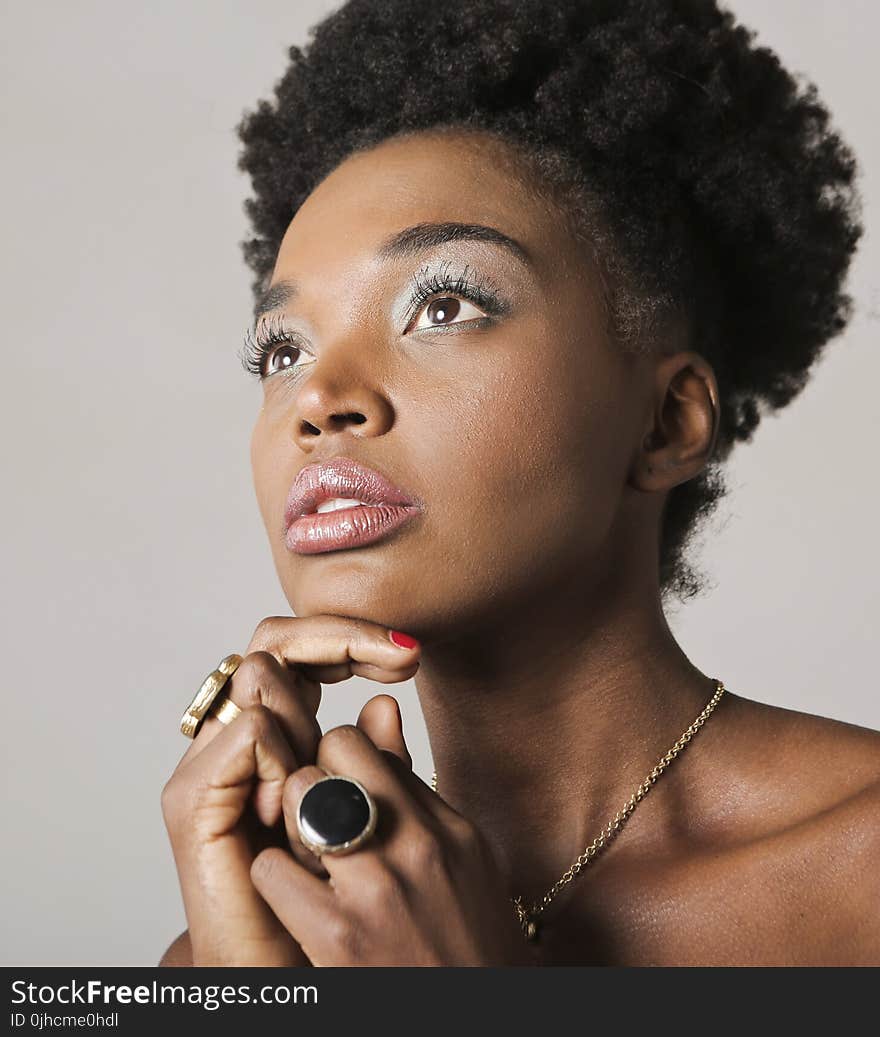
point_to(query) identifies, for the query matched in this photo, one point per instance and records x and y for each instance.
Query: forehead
(420, 178)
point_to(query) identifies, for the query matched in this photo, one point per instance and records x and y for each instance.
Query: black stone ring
(336, 815)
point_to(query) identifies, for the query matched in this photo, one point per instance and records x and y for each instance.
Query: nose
(334, 400)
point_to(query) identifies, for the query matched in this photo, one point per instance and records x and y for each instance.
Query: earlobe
(684, 424)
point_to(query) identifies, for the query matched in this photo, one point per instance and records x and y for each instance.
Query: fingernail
(403, 640)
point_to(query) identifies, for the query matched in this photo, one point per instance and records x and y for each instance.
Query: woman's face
(514, 422)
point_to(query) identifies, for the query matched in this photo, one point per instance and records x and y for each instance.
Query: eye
(447, 310)
(443, 300)
(272, 348)
(283, 357)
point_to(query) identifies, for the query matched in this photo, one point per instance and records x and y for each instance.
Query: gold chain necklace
(528, 917)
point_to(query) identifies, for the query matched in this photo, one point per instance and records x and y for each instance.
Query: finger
(252, 747)
(432, 802)
(348, 751)
(331, 673)
(293, 698)
(381, 721)
(308, 650)
(304, 904)
(353, 647)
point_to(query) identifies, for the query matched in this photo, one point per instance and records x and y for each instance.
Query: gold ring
(224, 709)
(211, 687)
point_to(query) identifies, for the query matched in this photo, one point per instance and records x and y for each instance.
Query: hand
(222, 804)
(425, 889)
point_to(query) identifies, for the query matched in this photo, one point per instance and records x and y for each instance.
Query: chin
(344, 589)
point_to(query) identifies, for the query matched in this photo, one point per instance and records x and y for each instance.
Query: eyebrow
(423, 236)
(410, 241)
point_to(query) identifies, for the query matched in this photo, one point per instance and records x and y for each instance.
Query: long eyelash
(259, 341)
(482, 292)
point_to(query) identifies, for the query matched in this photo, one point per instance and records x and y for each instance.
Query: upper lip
(340, 477)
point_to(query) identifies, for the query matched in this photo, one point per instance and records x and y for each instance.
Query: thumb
(381, 722)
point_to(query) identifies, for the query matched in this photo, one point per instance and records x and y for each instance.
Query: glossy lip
(307, 532)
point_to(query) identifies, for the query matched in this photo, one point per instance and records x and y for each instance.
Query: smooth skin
(549, 679)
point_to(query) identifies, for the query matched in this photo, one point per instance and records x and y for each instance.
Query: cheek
(529, 474)
(555, 438)
(268, 484)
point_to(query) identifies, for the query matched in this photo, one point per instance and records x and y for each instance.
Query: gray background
(134, 555)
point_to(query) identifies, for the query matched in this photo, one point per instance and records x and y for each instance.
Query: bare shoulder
(827, 870)
(810, 811)
(800, 763)
(179, 953)
(849, 744)
(845, 832)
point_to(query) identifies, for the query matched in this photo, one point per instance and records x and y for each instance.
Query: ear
(683, 426)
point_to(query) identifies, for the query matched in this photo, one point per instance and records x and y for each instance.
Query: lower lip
(346, 527)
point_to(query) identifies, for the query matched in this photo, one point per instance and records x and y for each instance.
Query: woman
(525, 273)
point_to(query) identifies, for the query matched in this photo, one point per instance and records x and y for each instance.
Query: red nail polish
(403, 640)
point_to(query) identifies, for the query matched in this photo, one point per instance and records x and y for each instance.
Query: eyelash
(260, 341)
(269, 332)
(482, 293)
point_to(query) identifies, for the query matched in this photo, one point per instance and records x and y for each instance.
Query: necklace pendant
(527, 921)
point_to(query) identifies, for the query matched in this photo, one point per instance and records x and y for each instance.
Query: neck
(543, 725)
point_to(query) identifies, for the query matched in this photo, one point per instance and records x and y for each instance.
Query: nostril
(341, 419)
